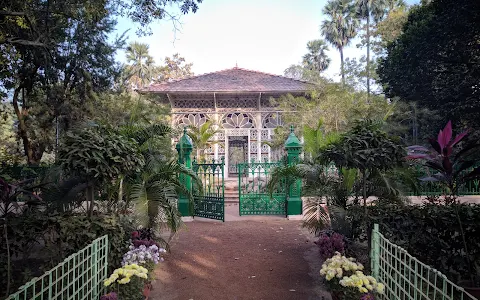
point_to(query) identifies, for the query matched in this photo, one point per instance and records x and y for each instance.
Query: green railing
(80, 276)
(428, 188)
(254, 199)
(405, 277)
(211, 202)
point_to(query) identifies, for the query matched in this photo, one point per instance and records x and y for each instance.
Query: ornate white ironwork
(239, 101)
(265, 148)
(264, 134)
(253, 135)
(193, 103)
(238, 120)
(272, 120)
(191, 119)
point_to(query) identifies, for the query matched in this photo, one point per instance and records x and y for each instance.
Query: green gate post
(294, 203)
(184, 148)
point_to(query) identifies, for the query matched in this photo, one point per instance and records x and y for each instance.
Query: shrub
(429, 232)
(346, 280)
(330, 242)
(37, 242)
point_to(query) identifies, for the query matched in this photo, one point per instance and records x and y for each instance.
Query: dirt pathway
(270, 260)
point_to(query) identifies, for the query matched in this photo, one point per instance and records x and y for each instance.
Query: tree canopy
(436, 61)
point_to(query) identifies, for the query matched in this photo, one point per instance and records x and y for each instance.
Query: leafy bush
(330, 242)
(429, 232)
(38, 242)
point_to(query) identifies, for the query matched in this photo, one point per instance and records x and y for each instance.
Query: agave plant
(454, 165)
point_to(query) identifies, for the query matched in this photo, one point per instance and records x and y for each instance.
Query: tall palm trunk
(368, 56)
(341, 65)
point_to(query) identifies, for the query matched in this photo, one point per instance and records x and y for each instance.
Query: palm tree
(154, 191)
(201, 137)
(316, 59)
(367, 10)
(340, 26)
(141, 66)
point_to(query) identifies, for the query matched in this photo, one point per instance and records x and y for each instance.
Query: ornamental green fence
(210, 203)
(80, 276)
(254, 199)
(429, 188)
(405, 277)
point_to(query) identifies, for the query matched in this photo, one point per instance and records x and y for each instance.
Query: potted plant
(455, 164)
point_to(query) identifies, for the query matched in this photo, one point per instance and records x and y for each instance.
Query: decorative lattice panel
(196, 120)
(253, 135)
(272, 120)
(237, 101)
(265, 135)
(193, 102)
(238, 120)
(265, 148)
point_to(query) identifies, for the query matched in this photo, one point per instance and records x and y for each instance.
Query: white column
(225, 167)
(258, 117)
(215, 117)
(248, 146)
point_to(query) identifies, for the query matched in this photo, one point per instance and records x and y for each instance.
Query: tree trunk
(90, 198)
(368, 56)
(22, 127)
(364, 181)
(341, 67)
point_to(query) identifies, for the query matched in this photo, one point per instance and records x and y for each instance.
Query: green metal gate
(210, 201)
(254, 199)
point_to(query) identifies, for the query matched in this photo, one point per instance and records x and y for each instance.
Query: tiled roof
(231, 80)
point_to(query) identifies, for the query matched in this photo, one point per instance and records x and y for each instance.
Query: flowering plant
(109, 296)
(143, 255)
(123, 275)
(331, 243)
(346, 279)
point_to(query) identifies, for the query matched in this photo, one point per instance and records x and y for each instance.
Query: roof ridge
(270, 74)
(229, 69)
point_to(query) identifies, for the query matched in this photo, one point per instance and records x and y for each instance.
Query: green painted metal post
(184, 148)
(294, 149)
(375, 255)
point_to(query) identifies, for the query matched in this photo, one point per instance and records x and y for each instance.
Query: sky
(262, 35)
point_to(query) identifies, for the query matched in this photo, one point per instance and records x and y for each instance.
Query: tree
(55, 57)
(98, 156)
(316, 59)
(340, 26)
(435, 62)
(389, 29)
(202, 137)
(367, 148)
(367, 10)
(140, 66)
(174, 68)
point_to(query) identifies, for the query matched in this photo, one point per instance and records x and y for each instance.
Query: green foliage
(315, 140)
(174, 68)
(316, 59)
(39, 242)
(340, 26)
(366, 147)
(99, 154)
(435, 61)
(140, 68)
(429, 232)
(52, 73)
(202, 137)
